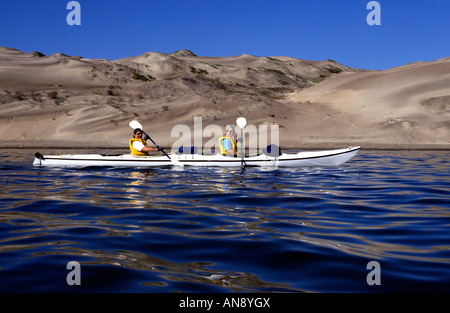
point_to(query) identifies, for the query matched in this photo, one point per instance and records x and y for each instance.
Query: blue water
(171, 230)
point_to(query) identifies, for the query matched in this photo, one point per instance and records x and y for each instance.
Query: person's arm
(140, 147)
(149, 149)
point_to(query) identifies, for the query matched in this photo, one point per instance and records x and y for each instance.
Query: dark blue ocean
(379, 223)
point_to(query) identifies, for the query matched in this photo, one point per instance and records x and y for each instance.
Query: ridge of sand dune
(407, 105)
(71, 101)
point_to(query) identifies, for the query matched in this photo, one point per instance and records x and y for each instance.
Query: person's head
(229, 131)
(137, 133)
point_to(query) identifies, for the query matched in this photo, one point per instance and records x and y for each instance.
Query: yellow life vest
(135, 151)
(222, 149)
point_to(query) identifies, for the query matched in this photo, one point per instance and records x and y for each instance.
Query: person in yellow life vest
(138, 146)
(227, 144)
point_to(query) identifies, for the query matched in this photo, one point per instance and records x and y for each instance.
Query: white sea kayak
(300, 159)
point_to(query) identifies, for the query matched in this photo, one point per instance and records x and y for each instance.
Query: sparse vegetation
(36, 96)
(198, 71)
(333, 70)
(112, 90)
(274, 71)
(138, 76)
(302, 79)
(53, 95)
(275, 92)
(183, 52)
(37, 54)
(215, 65)
(19, 96)
(221, 86)
(59, 100)
(283, 82)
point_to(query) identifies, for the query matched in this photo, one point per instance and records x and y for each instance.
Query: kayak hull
(301, 159)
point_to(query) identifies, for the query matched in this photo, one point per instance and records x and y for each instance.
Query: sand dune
(70, 101)
(404, 106)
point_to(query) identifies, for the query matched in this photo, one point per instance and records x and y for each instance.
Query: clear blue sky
(410, 30)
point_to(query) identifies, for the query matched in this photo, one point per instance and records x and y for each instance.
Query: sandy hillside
(407, 106)
(70, 101)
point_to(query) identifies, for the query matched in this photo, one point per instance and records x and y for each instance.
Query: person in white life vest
(227, 144)
(138, 145)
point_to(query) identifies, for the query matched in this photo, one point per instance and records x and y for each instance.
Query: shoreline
(325, 146)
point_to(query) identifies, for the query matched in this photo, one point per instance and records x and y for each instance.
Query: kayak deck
(300, 159)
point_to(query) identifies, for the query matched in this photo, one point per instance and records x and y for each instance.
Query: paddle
(241, 122)
(135, 124)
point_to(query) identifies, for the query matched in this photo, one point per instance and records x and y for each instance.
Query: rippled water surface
(227, 230)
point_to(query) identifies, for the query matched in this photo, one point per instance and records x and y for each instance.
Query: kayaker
(227, 144)
(138, 145)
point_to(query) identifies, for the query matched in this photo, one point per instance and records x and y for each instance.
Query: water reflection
(214, 229)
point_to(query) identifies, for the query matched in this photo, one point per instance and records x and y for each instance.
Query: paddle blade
(241, 122)
(135, 124)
